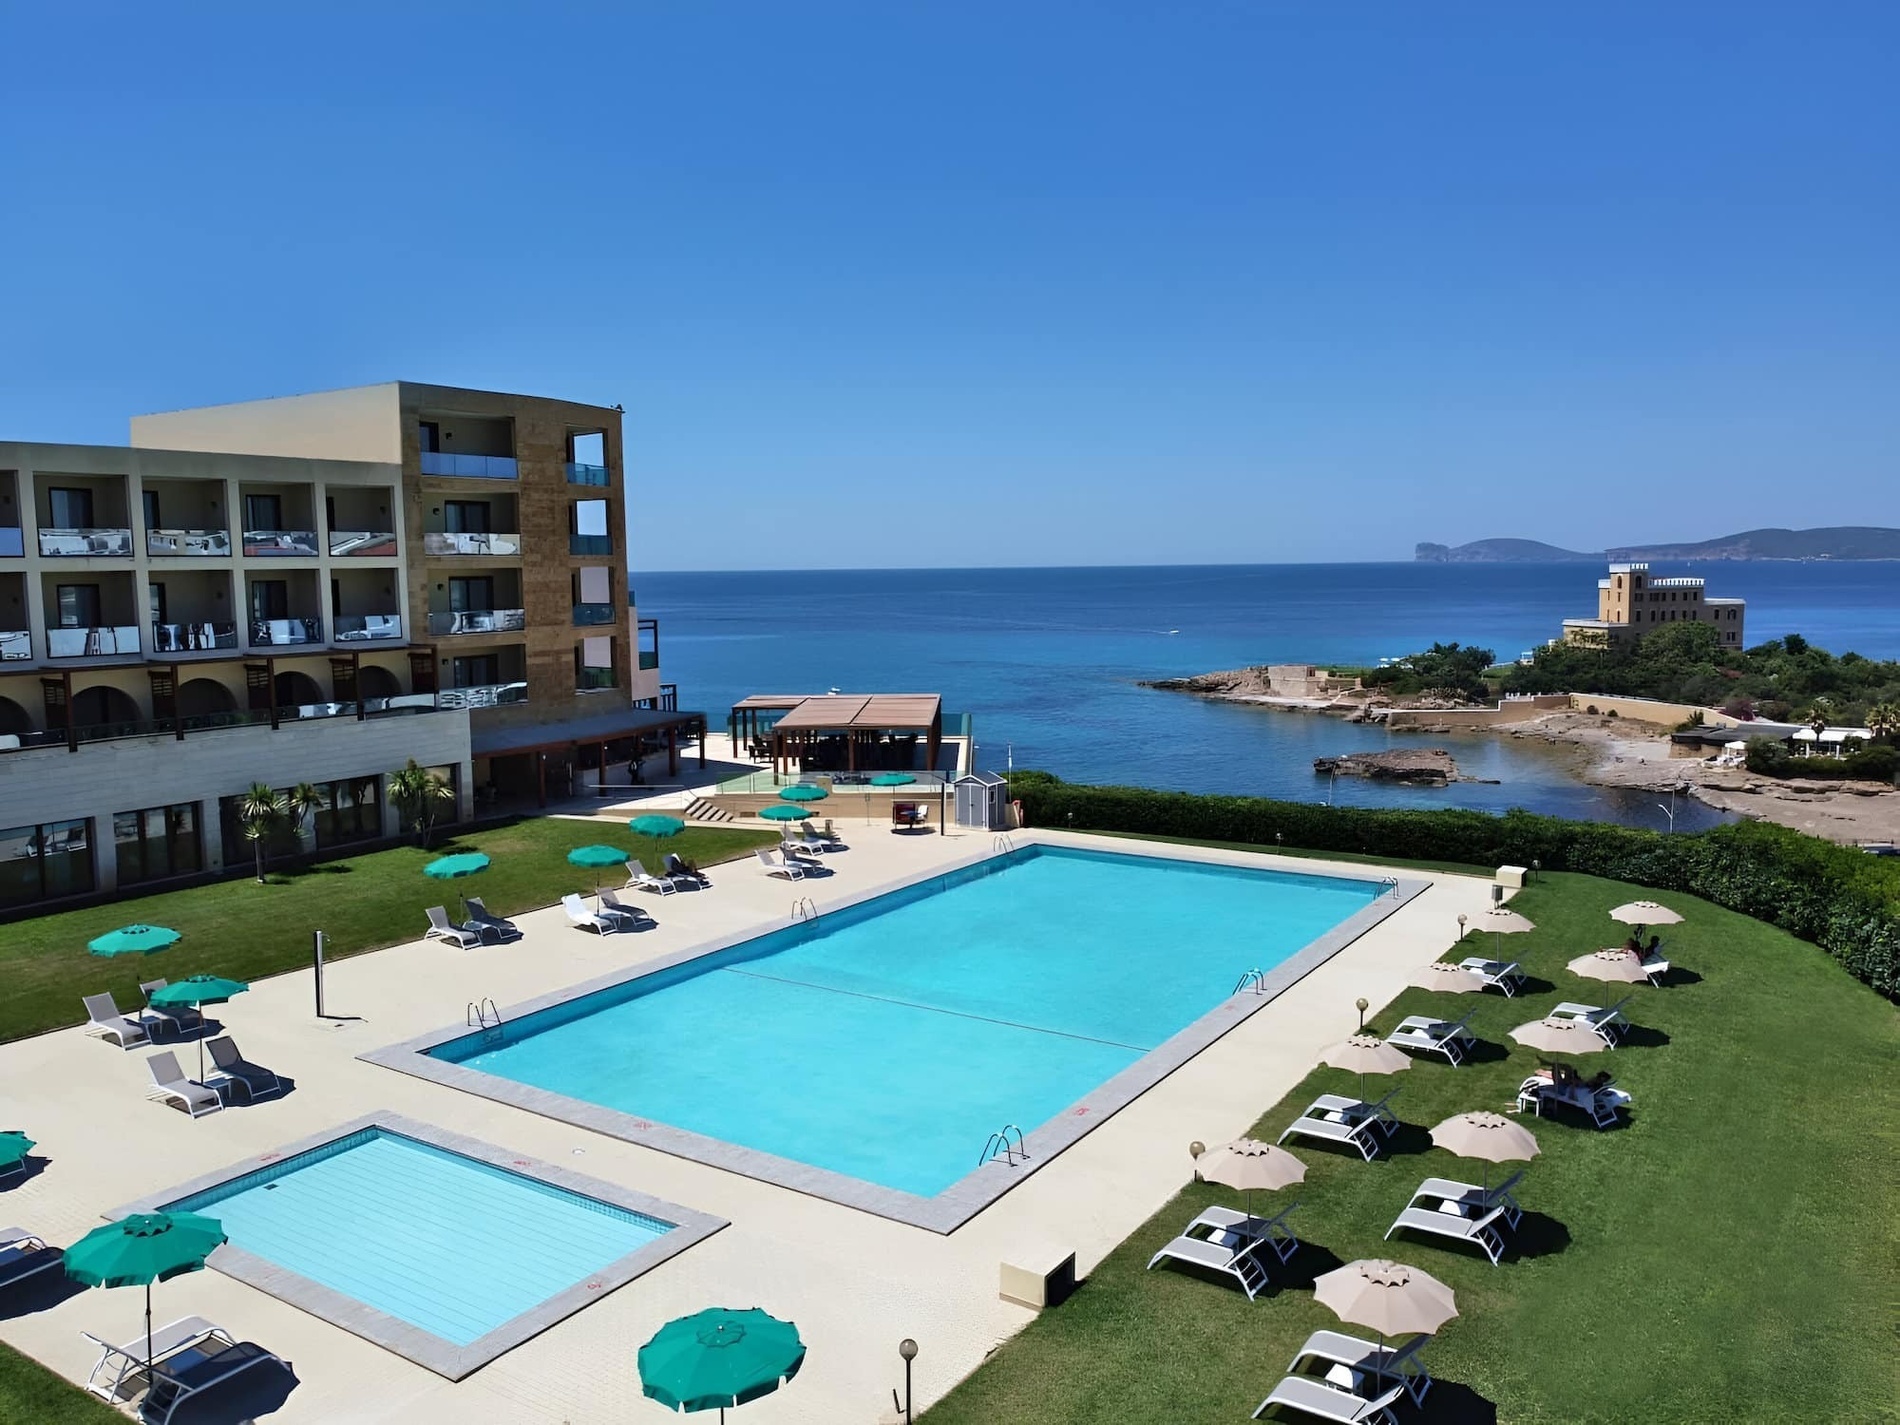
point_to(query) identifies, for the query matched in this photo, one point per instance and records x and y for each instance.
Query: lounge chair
(626, 917)
(579, 915)
(1609, 1023)
(1472, 1197)
(18, 1165)
(118, 1364)
(639, 880)
(1433, 1036)
(183, 1018)
(169, 1085)
(1338, 1119)
(237, 1069)
(1338, 1402)
(1239, 1261)
(813, 839)
(1656, 968)
(1506, 975)
(1228, 1228)
(25, 1254)
(1396, 1363)
(103, 1021)
(681, 870)
(1453, 1221)
(440, 929)
(196, 1370)
(1599, 1102)
(480, 920)
(779, 864)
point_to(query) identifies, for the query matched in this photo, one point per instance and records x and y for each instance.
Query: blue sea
(1047, 661)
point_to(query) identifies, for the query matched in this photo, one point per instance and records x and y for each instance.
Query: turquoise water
(888, 1040)
(444, 1242)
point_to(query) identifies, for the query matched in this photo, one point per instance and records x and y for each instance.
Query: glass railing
(490, 695)
(578, 474)
(12, 542)
(280, 543)
(479, 621)
(363, 543)
(363, 628)
(103, 642)
(471, 544)
(277, 632)
(186, 543)
(192, 637)
(590, 544)
(590, 680)
(592, 615)
(71, 543)
(648, 661)
(474, 467)
(16, 644)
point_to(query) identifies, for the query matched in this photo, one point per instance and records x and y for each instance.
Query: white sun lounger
(1433, 1036)
(638, 879)
(1239, 1262)
(1656, 968)
(196, 1370)
(628, 917)
(1451, 1220)
(812, 839)
(440, 929)
(1328, 1401)
(25, 1254)
(1506, 975)
(1472, 1197)
(1338, 1119)
(1227, 1227)
(180, 1017)
(117, 1364)
(1600, 1103)
(170, 1086)
(1398, 1363)
(103, 1021)
(779, 864)
(584, 919)
(1609, 1023)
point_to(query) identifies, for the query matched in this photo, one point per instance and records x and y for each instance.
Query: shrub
(1876, 763)
(1843, 900)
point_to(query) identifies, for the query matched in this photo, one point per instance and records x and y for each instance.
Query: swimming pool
(884, 1042)
(407, 1232)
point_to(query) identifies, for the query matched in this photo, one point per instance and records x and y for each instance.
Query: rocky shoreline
(1421, 766)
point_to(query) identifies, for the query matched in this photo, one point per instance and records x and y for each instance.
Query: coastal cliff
(1834, 542)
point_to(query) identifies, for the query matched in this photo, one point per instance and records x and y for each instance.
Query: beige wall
(354, 424)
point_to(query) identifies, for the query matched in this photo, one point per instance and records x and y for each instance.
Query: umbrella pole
(148, 1334)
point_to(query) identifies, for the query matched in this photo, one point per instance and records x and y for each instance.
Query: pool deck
(854, 1282)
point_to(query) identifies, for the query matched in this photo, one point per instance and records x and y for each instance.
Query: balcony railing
(490, 695)
(648, 661)
(592, 615)
(280, 543)
(277, 632)
(364, 628)
(16, 644)
(363, 543)
(479, 621)
(186, 543)
(471, 544)
(589, 680)
(71, 543)
(590, 544)
(12, 542)
(578, 474)
(104, 642)
(192, 637)
(474, 467)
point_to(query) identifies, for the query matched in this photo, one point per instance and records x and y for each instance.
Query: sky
(985, 283)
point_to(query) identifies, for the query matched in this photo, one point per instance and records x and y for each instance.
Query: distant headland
(1839, 542)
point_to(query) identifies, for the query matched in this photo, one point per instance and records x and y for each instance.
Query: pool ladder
(482, 1014)
(1255, 980)
(1391, 884)
(1000, 1146)
(1002, 842)
(804, 908)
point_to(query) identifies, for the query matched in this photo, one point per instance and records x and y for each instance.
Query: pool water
(444, 1242)
(888, 1040)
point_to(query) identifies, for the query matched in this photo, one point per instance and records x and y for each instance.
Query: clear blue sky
(1008, 283)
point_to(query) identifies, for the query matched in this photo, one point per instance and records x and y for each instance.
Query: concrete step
(699, 809)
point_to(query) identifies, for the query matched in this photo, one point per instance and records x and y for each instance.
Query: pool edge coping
(987, 1184)
(689, 1228)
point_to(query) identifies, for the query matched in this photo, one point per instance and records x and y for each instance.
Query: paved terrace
(854, 1283)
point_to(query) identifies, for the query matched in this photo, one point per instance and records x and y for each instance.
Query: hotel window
(157, 842)
(45, 862)
(352, 811)
(70, 509)
(466, 517)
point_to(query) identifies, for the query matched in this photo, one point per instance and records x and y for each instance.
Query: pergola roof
(882, 711)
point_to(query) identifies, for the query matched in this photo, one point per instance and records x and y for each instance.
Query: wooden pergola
(862, 721)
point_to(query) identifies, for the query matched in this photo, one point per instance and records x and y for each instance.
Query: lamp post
(1461, 928)
(1670, 810)
(1195, 1149)
(906, 1348)
(1362, 1005)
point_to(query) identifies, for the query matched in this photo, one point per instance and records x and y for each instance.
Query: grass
(1734, 1253)
(28, 1391)
(247, 931)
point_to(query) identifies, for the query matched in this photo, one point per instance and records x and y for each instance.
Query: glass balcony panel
(492, 695)
(648, 661)
(593, 679)
(578, 474)
(91, 642)
(474, 467)
(591, 615)
(192, 637)
(80, 543)
(15, 644)
(186, 543)
(364, 628)
(363, 543)
(590, 544)
(12, 542)
(274, 632)
(479, 621)
(471, 544)
(280, 543)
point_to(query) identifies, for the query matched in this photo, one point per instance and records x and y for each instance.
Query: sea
(1048, 662)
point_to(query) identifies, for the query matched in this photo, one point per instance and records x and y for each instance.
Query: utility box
(1038, 1276)
(1512, 877)
(982, 801)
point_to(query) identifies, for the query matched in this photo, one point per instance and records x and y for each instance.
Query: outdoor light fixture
(1195, 1149)
(906, 1348)
(1362, 1004)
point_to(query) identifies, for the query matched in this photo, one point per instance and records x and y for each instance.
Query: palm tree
(1818, 712)
(260, 813)
(419, 793)
(299, 803)
(1883, 719)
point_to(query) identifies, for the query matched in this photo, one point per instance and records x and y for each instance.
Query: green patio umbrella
(141, 1249)
(804, 792)
(133, 940)
(14, 1146)
(449, 868)
(886, 779)
(658, 827)
(719, 1358)
(198, 991)
(597, 856)
(783, 811)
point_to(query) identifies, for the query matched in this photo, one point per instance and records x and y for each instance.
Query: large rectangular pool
(887, 1041)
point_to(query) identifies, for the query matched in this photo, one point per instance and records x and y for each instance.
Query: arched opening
(377, 682)
(102, 706)
(205, 697)
(295, 689)
(14, 719)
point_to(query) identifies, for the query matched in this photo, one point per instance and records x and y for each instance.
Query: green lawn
(30, 1392)
(1734, 1254)
(241, 929)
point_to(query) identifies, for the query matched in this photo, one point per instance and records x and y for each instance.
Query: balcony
(471, 544)
(105, 642)
(471, 467)
(84, 543)
(479, 621)
(593, 680)
(12, 542)
(16, 645)
(363, 543)
(280, 632)
(367, 628)
(578, 474)
(592, 615)
(491, 695)
(280, 544)
(186, 543)
(590, 544)
(193, 637)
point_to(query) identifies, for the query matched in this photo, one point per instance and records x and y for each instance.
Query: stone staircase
(701, 810)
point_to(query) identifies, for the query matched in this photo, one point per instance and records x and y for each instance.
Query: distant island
(1839, 542)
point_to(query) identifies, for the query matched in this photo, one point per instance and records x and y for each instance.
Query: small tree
(418, 794)
(260, 814)
(1883, 719)
(299, 804)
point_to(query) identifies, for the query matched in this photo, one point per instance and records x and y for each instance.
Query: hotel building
(1630, 604)
(310, 589)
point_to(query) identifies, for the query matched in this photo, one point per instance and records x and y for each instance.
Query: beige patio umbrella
(1251, 1166)
(1389, 1297)
(1617, 965)
(1449, 978)
(1642, 913)
(1364, 1054)
(1501, 921)
(1559, 1036)
(1489, 1137)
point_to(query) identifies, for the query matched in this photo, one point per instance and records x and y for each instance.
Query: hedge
(1841, 899)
